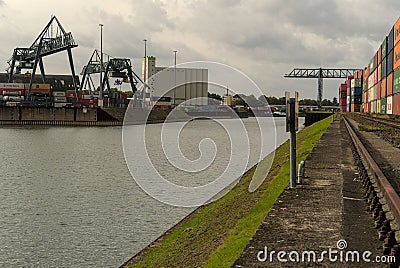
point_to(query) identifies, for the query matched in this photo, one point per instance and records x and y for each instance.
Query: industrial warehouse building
(192, 84)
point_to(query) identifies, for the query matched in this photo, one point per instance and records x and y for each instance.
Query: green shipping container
(383, 106)
(396, 81)
(383, 48)
(371, 65)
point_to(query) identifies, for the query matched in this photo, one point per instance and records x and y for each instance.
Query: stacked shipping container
(343, 97)
(380, 80)
(14, 94)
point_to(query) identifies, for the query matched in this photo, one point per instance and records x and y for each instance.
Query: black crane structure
(51, 40)
(112, 67)
(320, 74)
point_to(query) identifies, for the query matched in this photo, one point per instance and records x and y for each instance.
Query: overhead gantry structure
(51, 40)
(320, 74)
(112, 68)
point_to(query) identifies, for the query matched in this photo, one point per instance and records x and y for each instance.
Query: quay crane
(51, 40)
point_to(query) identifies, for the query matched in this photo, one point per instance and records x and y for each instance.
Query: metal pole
(144, 74)
(320, 88)
(101, 65)
(292, 144)
(175, 79)
(292, 159)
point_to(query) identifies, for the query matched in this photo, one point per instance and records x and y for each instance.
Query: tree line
(263, 100)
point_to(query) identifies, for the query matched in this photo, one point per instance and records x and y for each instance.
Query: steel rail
(387, 189)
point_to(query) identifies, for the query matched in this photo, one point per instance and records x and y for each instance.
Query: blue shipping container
(390, 39)
(389, 66)
(356, 91)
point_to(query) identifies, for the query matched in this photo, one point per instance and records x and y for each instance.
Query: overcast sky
(263, 38)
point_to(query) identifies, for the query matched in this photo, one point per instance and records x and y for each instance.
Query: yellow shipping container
(38, 86)
(378, 106)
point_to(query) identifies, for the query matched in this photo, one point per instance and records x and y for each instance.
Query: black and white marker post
(292, 124)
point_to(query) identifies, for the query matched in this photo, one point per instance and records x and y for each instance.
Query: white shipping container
(13, 93)
(348, 100)
(371, 82)
(373, 106)
(60, 99)
(13, 98)
(356, 82)
(59, 94)
(59, 104)
(389, 105)
(12, 103)
(372, 93)
(9, 86)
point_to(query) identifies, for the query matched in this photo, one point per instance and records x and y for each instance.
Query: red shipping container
(348, 85)
(366, 107)
(376, 76)
(70, 95)
(389, 85)
(383, 88)
(379, 55)
(396, 104)
(355, 107)
(343, 101)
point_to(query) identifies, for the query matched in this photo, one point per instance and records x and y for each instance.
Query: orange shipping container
(397, 31)
(360, 74)
(396, 57)
(366, 72)
(378, 90)
(389, 85)
(383, 88)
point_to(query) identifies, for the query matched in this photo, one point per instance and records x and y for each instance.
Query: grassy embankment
(216, 234)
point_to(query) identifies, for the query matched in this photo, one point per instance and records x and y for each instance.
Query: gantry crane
(51, 40)
(320, 74)
(113, 67)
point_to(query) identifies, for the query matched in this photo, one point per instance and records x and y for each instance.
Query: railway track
(382, 199)
(383, 121)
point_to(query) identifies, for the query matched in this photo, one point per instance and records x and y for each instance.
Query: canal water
(69, 200)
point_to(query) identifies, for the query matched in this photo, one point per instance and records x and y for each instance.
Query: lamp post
(101, 65)
(174, 94)
(144, 74)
